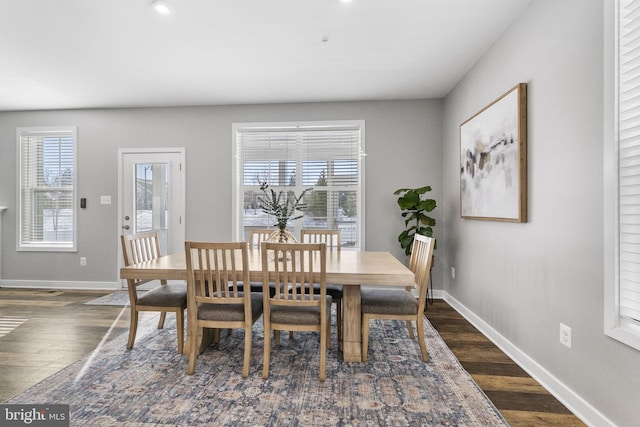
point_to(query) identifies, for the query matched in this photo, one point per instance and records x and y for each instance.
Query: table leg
(352, 343)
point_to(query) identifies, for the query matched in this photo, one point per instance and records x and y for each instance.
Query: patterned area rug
(119, 298)
(148, 385)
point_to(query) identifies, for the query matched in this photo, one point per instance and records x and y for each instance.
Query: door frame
(180, 151)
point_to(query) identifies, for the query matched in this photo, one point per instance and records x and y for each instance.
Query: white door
(151, 196)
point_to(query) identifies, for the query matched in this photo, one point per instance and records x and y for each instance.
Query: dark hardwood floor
(520, 399)
(61, 330)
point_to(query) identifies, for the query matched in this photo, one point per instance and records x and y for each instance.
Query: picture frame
(493, 160)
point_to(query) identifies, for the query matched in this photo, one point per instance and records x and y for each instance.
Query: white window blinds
(629, 161)
(326, 157)
(47, 162)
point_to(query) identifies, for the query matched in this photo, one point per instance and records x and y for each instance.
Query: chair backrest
(259, 235)
(140, 247)
(330, 237)
(422, 250)
(215, 271)
(294, 268)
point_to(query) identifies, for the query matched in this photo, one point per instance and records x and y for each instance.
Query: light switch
(105, 200)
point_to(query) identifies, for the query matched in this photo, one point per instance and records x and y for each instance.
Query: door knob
(126, 227)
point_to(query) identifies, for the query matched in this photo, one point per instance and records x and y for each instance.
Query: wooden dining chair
(141, 247)
(256, 237)
(332, 238)
(399, 304)
(295, 306)
(214, 271)
(259, 235)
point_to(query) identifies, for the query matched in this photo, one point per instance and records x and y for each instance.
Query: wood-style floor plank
(520, 399)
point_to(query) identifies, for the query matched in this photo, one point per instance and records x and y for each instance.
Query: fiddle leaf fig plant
(415, 206)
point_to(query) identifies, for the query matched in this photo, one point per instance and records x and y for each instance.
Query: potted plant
(414, 207)
(282, 206)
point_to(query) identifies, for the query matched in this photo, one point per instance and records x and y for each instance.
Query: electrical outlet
(565, 335)
(453, 272)
(83, 261)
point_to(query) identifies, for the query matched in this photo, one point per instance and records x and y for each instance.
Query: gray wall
(523, 280)
(403, 143)
(517, 281)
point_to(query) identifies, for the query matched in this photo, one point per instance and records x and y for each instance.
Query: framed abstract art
(493, 160)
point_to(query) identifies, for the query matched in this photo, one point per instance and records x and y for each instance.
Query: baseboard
(576, 404)
(51, 284)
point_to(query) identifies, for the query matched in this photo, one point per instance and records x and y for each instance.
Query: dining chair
(401, 304)
(256, 237)
(294, 268)
(259, 235)
(214, 271)
(141, 247)
(332, 238)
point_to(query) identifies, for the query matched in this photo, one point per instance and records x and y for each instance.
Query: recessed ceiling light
(345, 1)
(161, 6)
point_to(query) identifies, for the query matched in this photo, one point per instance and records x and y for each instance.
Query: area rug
(149, 386)
(118, 298)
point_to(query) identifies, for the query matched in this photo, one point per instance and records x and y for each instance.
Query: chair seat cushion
(334, 290)
(170, 295)
(231, 312)
(388, 301)
(299, 315)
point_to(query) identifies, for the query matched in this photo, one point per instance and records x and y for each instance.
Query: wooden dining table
(352, 269)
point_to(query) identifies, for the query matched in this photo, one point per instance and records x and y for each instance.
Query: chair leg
(290, 335)
(328, 330)
(423, 344)
(163, 315)
(365, 336)
(247, 351)
(206, 339)
(410, 329)
(193, 349)
(276, 337)
(133, 328)
(267, 349)
(180, 328)
(323, 352)
(339, 318)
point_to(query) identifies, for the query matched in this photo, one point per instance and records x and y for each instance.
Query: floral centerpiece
(282, 206)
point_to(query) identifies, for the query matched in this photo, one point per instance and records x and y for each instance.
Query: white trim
(52, 284)
(360, 124)
(47, 130)
(183, 206)
(614, 325)
(575, 403)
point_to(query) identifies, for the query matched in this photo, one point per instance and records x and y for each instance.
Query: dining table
(350, 268)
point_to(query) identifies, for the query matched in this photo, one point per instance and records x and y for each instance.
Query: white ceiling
(120, 53)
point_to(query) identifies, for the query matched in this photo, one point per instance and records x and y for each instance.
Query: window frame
(43, 131)
(237, 185)
(615, 325)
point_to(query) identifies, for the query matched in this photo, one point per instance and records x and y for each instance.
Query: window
(295, 156)
(622, 181)
(46, 193)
